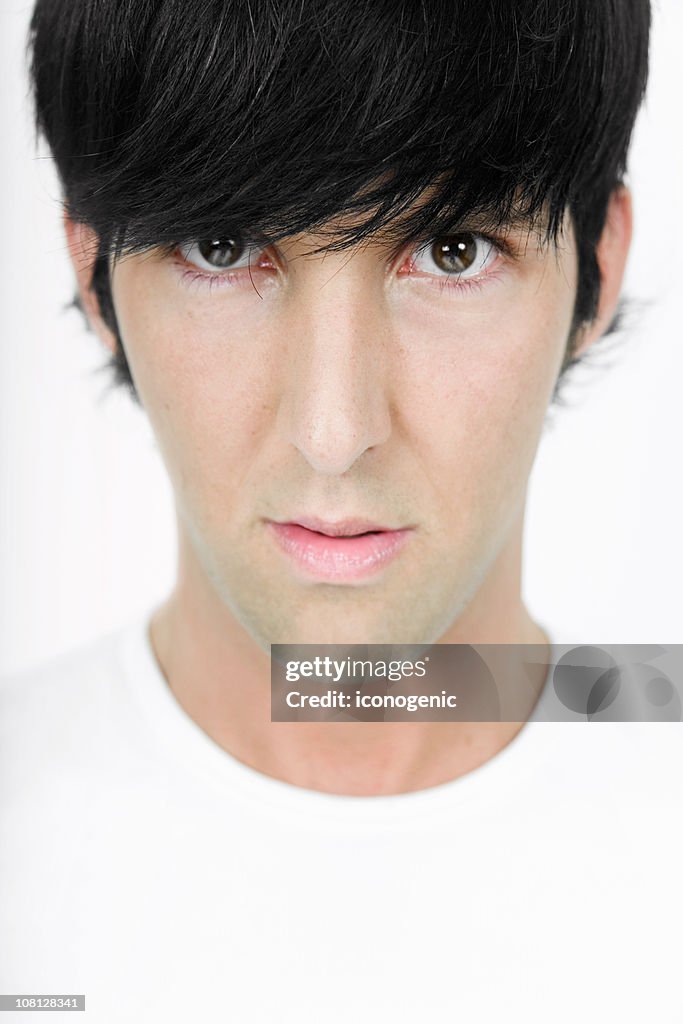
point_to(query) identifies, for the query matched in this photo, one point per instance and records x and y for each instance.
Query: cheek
(199, 371)
(479, 381)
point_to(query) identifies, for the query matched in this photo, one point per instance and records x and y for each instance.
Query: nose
(335, 400)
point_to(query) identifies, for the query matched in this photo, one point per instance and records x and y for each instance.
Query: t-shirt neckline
(195, 752)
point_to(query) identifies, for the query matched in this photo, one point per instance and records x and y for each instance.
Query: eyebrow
(485, 219)
(500, 233)
(532, 228)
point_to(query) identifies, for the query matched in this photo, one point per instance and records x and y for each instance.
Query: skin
(346, 384)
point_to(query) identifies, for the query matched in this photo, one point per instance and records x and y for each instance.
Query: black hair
(169, 120)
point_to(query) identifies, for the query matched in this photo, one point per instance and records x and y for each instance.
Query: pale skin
(341, 385)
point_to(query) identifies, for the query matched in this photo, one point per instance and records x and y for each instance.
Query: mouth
(346, 550)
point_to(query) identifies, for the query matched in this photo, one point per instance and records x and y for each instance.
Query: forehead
(413, 222)
(401, 164)
(370, 222)
(399, 117)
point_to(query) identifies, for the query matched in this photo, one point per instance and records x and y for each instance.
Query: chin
(329, 615)
(346, 628)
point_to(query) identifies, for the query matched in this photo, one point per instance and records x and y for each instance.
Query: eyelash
(205, 279)
(455, 283)
(194, 276)
(469, 284)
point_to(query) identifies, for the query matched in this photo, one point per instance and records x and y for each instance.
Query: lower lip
(338, 559)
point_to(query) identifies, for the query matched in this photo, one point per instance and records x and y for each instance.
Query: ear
(83, 245)
(612, 253)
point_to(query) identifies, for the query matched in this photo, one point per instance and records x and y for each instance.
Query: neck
(221, 678)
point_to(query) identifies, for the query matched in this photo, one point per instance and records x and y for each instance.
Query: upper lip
(338, 528)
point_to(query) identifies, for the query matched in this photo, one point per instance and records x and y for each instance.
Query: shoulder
(66, 711)
(615, 770)
(81, 673)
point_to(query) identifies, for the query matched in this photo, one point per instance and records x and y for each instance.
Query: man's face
(310, 389)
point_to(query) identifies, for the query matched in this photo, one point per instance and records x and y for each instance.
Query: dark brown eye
(215, 256)
(456, 253)
(221, 253)
(463, 255)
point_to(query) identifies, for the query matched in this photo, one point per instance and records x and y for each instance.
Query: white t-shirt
(143, 866)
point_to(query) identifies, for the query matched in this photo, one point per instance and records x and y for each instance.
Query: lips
(341, 528)
(346, 550)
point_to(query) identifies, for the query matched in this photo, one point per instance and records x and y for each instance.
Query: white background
(87, 534)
